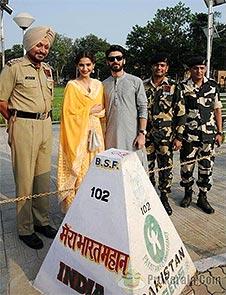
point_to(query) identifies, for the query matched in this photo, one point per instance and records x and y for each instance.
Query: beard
(116, 67)
(36, 58)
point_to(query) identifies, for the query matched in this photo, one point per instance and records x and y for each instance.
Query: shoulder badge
(213, 82)
(47, 70)
(172, 81)
(47, 65)
(14, 61)
(146, 81)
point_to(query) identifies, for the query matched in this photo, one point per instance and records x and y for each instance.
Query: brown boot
(187, 198)
(203, 204)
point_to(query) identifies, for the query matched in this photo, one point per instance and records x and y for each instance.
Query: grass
(57, 103)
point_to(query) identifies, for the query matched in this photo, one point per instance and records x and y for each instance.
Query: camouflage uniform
(199, 135)
(166, 118)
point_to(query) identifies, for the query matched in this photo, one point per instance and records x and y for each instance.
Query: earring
(93, 71)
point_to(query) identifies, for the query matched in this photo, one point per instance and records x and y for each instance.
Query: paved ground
(203, 235)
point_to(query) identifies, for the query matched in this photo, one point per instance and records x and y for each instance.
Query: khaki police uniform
(29, 92)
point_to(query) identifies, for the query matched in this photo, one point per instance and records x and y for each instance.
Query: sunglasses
(113, 58)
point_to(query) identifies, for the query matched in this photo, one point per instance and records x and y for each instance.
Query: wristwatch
(219, 133)
(143, 131)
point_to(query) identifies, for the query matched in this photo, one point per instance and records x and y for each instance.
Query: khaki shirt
(26, 88)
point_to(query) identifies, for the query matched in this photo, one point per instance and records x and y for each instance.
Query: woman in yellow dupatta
(83, 107)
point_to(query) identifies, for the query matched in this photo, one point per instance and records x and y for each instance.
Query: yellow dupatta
(74, 157)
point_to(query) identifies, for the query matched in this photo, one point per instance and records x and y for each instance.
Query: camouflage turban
(34, 35)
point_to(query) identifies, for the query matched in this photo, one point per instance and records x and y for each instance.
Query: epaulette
(172, 81)
(47, 65)
(212, 81)
(14, 61)
(146, 81)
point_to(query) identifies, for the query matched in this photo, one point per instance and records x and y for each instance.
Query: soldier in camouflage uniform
(203, 129)
(166, 118)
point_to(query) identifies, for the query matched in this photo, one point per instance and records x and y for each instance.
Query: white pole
(209, 36)
(2, 40)
(24, 51)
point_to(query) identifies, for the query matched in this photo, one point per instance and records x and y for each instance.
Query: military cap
(196, 60)
(159, 57)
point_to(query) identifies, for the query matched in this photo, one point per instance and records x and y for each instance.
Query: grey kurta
(125, 103)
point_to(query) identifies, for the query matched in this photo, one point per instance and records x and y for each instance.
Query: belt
(28, 115)
(159, 124)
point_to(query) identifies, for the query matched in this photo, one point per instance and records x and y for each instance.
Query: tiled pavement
(203, 235)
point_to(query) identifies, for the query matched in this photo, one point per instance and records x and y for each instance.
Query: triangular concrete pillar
(116, 238)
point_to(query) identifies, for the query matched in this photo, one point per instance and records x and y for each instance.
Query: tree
(59, 55)
(15, 52)
(93, 44)
(219, 47)
(168, 32)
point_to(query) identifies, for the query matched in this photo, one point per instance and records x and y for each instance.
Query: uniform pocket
(30, 83)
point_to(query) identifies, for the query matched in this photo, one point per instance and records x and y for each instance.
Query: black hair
(115, 47)
(160, 57)
(86, 54)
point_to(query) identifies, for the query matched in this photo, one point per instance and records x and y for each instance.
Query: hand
(139, 141)
(218, 140)
(177, 144)
(96, 109)
(4, 109)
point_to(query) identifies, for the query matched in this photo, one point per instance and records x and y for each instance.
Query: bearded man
(126, 106)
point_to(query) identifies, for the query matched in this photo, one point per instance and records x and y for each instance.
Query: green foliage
(15, 52)
(59, 55)
(174, 30)
(57, 102)
(168, 32)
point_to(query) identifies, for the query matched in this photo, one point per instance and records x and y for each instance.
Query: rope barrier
(45, 194)
(35, 196)
(185, 163)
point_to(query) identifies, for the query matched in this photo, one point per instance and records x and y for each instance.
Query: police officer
(26, 89)
(203, 129)
(166, 118)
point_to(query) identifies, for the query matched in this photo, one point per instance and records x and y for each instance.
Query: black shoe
(203, 204)
(164, 200)
(32, 241)
(187, 199)
(152, 180)
(46, 230)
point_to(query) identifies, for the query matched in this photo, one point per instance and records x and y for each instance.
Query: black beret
(196, 60)
(160, 57)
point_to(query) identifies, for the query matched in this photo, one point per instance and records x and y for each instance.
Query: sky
(107, 19)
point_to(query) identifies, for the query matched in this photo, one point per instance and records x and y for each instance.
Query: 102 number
(100, 194)
(145, 208)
